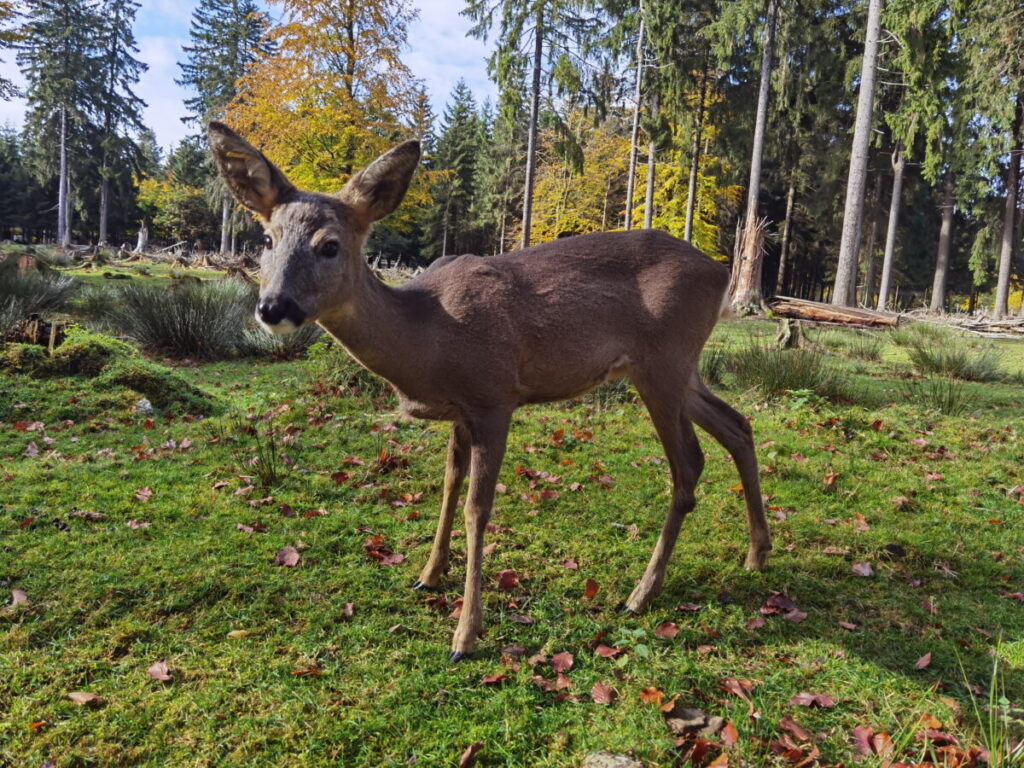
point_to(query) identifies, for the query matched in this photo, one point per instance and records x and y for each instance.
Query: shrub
(190, 319)
(87, 353)
(865, 345)
(23, 358)
(38, 290)
(943, 395)
(713, 362)
(774, 372)
(163, 387)
(332, 370)
(958, 360)
(256, 342)
(919, 334)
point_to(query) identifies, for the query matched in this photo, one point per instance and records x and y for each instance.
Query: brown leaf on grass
(143, 494)
(308, 672)
(491, 548)
(741, 688)
(689, 607)
(562, 662)
(776, 604)
(348, 610)
(755, 623)
(848, 625)
(607, 652)
(652, 695)
(159, 670)
(929, 606)
(591, 589)
(570, 565)
(137, 524)
(457, 606)
(288, 557)
(86, 699)
(729, 735)
(860, 522)
(18, 597)
(602, 694)
(830, 479)
(722, 761)
(863, 569)
(562, 681)
(507, 580)
(494, 679)
(469, 753)
(392, 559)
(667, 630)
(796, 616)
(789, 724)
(924, 661)
(543, 683)
(821, 700)
(861, 737)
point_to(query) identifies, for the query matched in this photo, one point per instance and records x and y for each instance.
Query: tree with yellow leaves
(334, 93)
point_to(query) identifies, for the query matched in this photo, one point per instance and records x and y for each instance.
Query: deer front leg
(488, 436)
(454, 475)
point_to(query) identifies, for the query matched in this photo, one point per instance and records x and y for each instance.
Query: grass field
(893, 593)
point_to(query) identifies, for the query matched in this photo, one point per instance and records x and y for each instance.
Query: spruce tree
(8, 36)
(118, 106)
(57, 55)
(459, 148)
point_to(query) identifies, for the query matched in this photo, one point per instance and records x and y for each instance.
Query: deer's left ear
(255, 182)
(377, 190)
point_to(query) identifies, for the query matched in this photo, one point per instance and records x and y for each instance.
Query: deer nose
(275, 309)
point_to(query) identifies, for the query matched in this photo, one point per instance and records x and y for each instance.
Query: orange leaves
(377, 549)
(590, 589)
(507, 580)
(651, 695)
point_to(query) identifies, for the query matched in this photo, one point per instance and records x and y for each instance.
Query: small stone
(144, 407)
(610, 760)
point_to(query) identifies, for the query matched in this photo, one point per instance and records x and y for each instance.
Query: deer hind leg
(686, 461)
(454, 475)
(730, 428)
(488, 435)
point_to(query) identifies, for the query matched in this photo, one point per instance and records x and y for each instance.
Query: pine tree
(57, 55)
(119, 107)
(8, 37)
(227, 38)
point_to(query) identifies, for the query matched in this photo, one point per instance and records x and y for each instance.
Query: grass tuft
(773, 372)
(970, 363)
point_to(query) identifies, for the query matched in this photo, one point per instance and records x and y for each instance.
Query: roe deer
(471, 339)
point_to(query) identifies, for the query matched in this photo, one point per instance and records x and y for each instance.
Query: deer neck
(375, 326)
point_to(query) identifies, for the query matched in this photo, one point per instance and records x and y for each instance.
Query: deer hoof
(456, 656)
(426, 587)
(624, 610)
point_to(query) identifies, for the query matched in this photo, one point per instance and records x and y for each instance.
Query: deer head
(312, 257)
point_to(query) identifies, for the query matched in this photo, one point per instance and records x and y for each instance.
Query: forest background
(858, 153)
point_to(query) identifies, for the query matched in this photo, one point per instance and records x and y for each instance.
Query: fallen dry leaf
(729, 735)
(143, 494)
(507, 580)
(562, 662)
(789, 724)
(924, 661)
(18, 597)
(562, 681)
(288, 557)
(86, 699)
(602, 694)
(160, 671)
(493, 679)
(570, 565)
(822, 700)
(591, 589)
(607, 652)
(652, 695)
(863, 569)
(667, 630)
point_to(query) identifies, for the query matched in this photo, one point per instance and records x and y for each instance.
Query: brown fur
(471, 339)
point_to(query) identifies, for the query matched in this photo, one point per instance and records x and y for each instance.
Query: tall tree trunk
(845, 285)
(746, 285)
(62, 185)
(649, 195)
(780, 277)
(634, 135)
(869, 248)
(691, 187)
(225, 224)
(143, 241)
(938, 302)
(531, 146)
(104, 201)
(899, 163)
(1012, 182)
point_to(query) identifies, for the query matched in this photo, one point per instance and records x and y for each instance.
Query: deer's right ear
(255, 182)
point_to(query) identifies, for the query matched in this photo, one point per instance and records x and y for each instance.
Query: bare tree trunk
(691, 187)
(531, 147)
(649, 196)
(898, 165)
(63, 238)
(1012, 182)
(746, 286)
(844, 292)
(143, 240)
(780, 277)
(104, 201)
(635, 133)
(225, 224)
(938, 302)
(869, 248)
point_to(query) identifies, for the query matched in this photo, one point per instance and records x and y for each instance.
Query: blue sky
(439, 54)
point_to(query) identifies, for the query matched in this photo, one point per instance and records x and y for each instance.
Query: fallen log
(802, 309)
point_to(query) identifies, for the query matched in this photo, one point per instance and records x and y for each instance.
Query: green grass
(928, 499)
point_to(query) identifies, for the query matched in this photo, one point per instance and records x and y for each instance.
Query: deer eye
(268, 241)
(329, 249)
